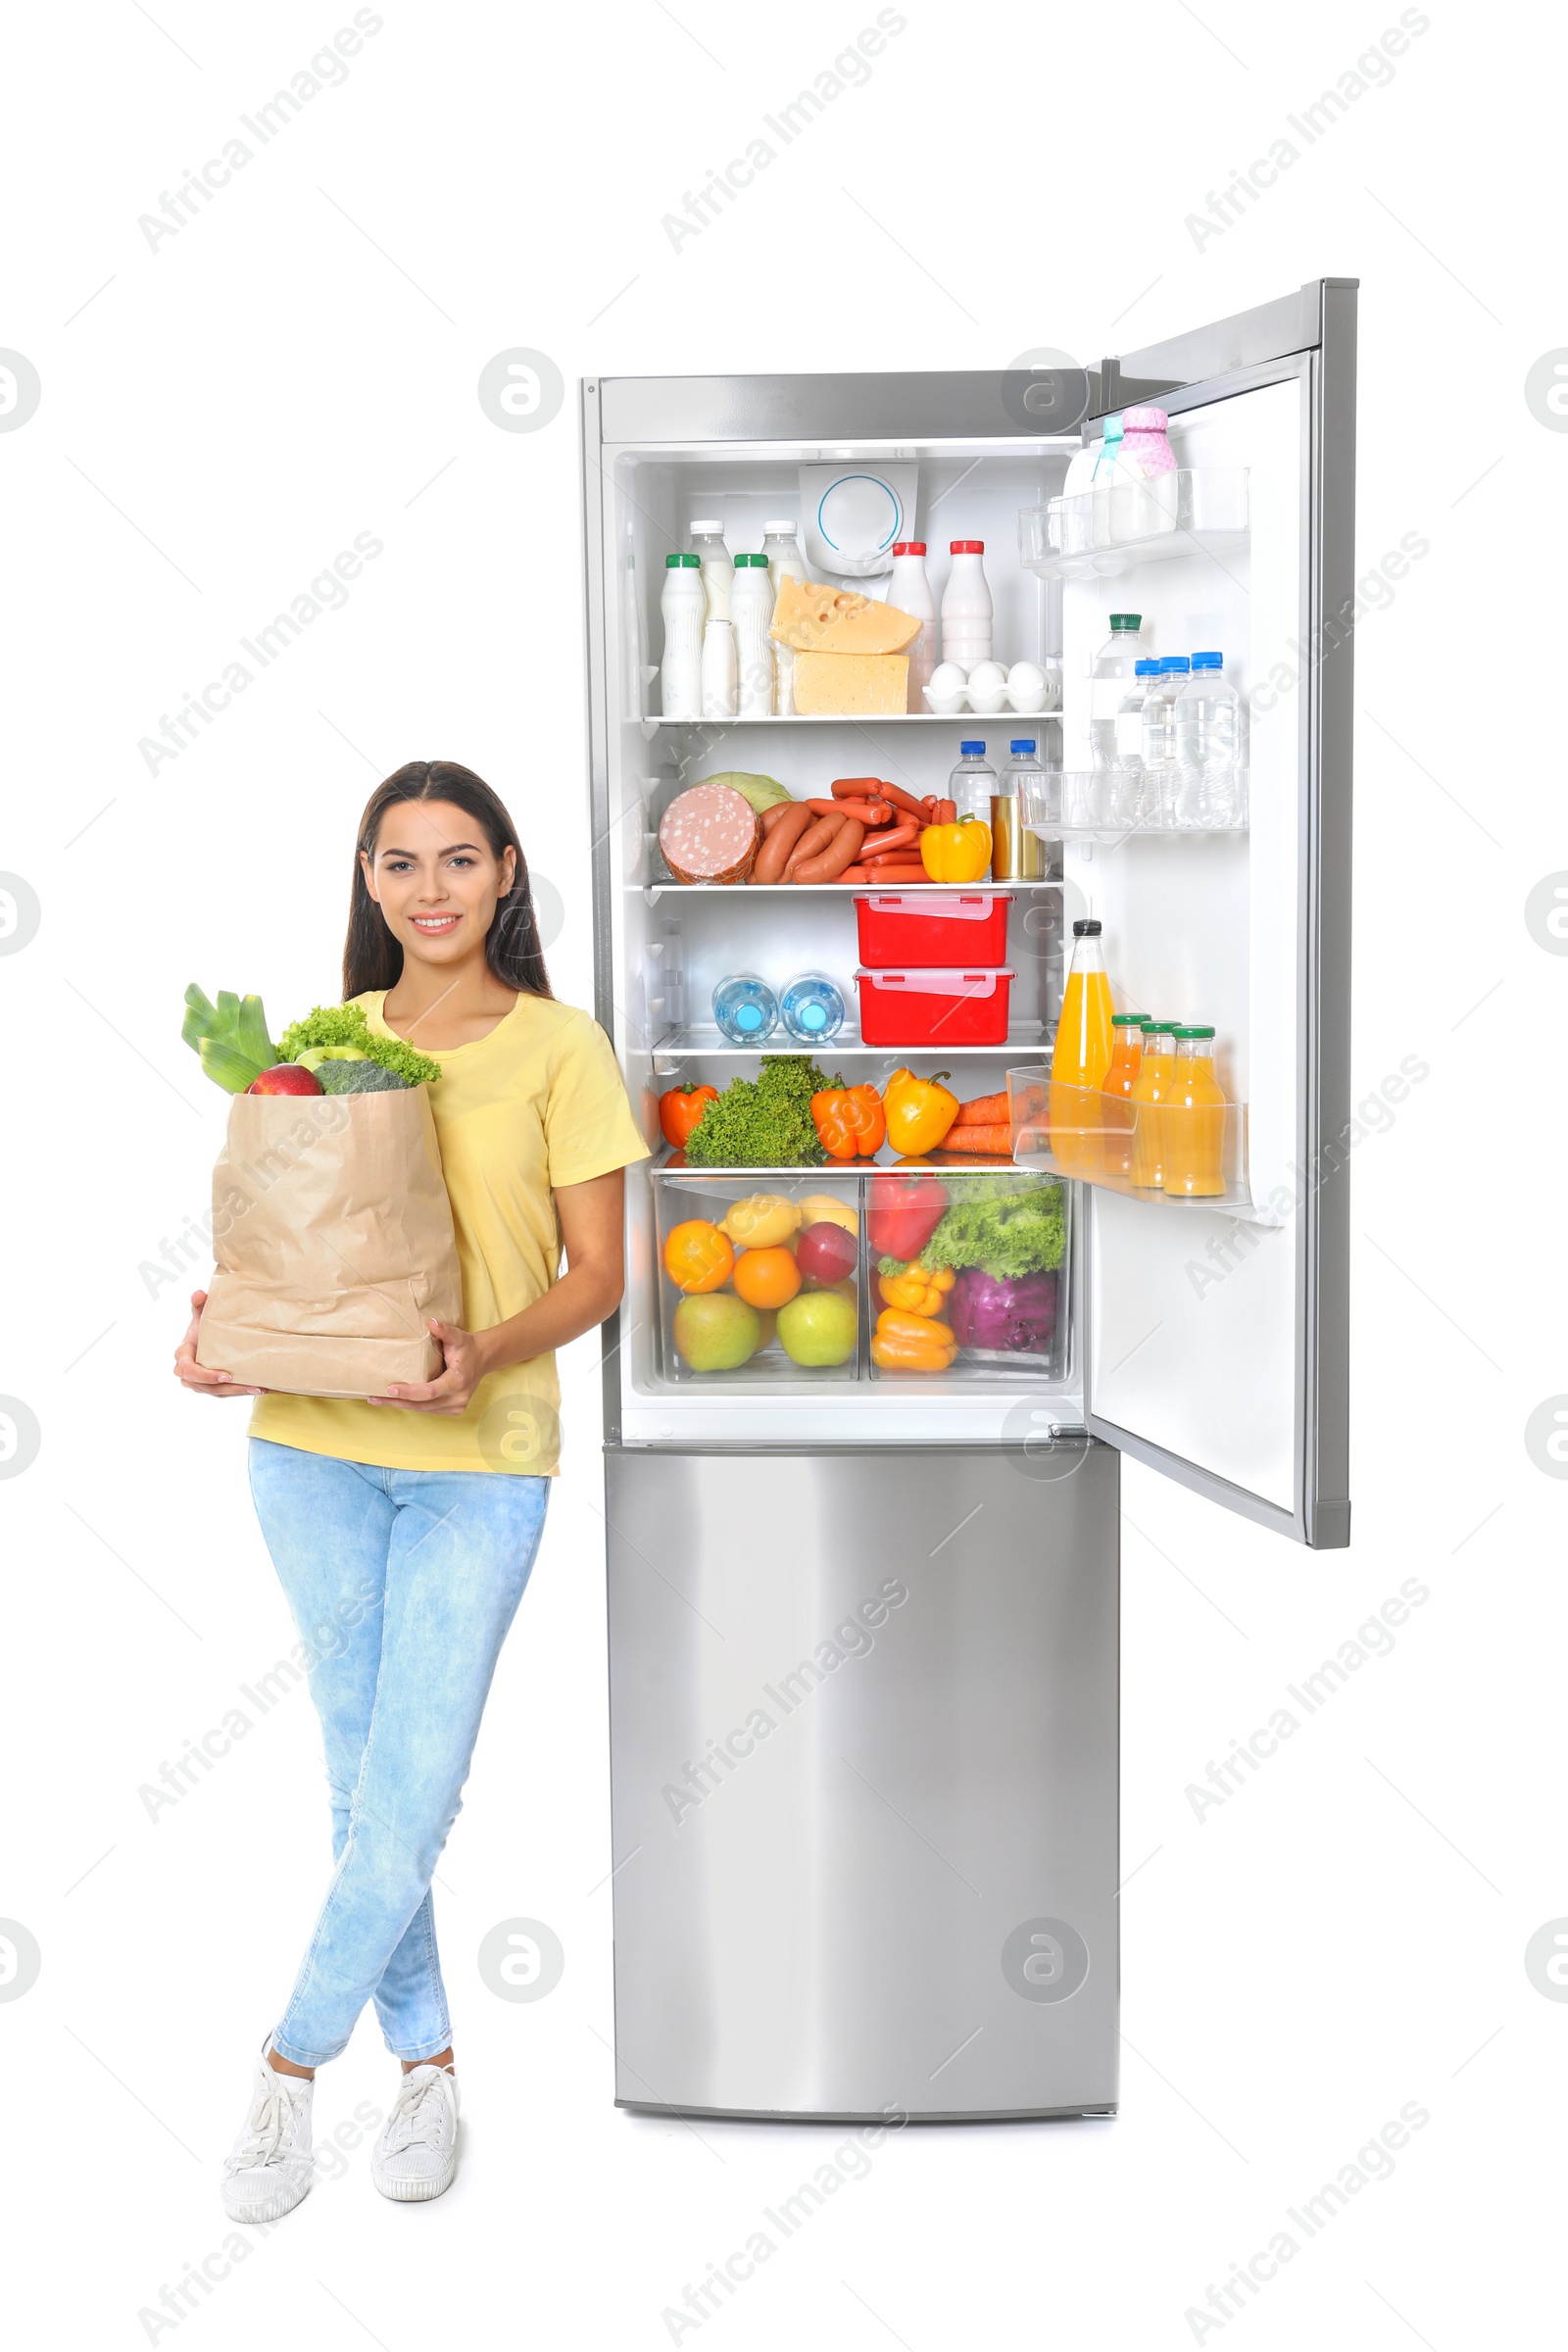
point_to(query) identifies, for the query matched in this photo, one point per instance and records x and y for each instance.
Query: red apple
(825, 1253)
(285, 1078)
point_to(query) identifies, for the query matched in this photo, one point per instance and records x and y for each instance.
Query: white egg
(1026, 674)
(946, 678)
(988, 686)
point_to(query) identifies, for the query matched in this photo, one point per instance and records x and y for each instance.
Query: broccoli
(365, 1077)
(346, 1025)
(1009, 1225)
(763, 1122)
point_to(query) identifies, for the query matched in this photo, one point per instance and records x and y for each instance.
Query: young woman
(408, 1524)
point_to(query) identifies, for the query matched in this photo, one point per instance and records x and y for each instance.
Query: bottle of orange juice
(1151, 1090)
(1126, 1058)
(1081, 1055)
(1193, 1121)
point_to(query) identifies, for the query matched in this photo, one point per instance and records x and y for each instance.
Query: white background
(1346, 1932)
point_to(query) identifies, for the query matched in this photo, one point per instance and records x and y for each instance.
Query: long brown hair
(371, 957)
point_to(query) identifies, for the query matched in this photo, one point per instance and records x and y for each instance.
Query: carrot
(993, 1143)
(984, 1112)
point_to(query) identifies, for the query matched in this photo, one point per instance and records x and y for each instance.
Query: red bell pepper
(903, 1212)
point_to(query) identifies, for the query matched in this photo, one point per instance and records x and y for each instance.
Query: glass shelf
(1101, 534)
(852, 718)
(1114, 1145)
(707, 1039)
(845, 891)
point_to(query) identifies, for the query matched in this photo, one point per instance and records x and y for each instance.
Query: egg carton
(1030, 689)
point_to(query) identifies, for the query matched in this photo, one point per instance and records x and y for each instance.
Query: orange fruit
(698, 1256)
(767, 1277)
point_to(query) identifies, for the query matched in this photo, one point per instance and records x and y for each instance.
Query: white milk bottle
(720, 670)
(750, 611)
(910, 591)
(708, 538)
(684, 606)
(784, 562)
(966, 606)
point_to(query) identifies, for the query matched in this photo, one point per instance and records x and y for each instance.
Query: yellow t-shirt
(539, 1102)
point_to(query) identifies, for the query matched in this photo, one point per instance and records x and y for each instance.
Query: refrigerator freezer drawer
(863, 1726)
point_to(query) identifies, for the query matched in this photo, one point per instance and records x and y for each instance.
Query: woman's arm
(591, 1219)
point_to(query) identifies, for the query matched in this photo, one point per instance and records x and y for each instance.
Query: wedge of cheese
(816, 619)
(850, 685)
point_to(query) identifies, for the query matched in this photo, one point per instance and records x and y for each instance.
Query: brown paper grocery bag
(332, 1235)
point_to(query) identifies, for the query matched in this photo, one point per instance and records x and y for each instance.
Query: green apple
(714, 1331)
(817, 1326)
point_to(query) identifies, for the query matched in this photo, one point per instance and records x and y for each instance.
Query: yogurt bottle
(750, 611)
(684, 607)
(966, 606)
(708, 538)
(720, 670)
(910, 591)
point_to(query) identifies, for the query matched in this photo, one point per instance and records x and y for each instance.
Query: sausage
(794, 820)
(947, 814)
(870, 813)
(858, 788)
(841, 851)
(813, 843)
(891, 875)
(906, 801)
(772, 817)
(898, 837)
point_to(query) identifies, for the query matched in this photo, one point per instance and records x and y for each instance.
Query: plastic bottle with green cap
(1115, 668)
(751, 610)
(684, 608)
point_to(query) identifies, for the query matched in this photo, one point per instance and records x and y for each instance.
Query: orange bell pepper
(916, 1291)
(680, 1110)
(849, 1119)
(959, 852)
(909, 1342)
(919, 1111)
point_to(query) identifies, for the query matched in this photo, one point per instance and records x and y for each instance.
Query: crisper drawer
(862, 1721)
(915, 1275)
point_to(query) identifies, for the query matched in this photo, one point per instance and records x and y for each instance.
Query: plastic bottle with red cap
(910, 591)
(966, 606)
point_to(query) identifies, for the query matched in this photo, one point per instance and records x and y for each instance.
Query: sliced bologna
(710, 834)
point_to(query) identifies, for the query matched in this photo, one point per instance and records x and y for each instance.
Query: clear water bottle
(1209, 746)
(1116, 665)
(1161, 768)
(972, 782)
(1127, 771)
(813, 1009)
(745, 1008)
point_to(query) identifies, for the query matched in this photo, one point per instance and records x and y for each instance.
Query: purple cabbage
(1014, 1312)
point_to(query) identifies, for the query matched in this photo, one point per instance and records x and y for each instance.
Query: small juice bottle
(1194, 1123)
(1081, 1055)
(1126, 1058)
(1150, 1091)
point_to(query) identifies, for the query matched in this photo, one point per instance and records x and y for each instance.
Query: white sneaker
(417, 2153)
(269, 2167)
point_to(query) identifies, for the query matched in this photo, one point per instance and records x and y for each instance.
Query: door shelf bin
(1079, 805)
(1098, 535)
(1105, 1141)
(1026, 1319)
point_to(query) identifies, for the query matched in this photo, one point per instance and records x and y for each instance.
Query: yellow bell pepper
(959, 852)
(916, 1291)
(910, 1342)
(919, 1111)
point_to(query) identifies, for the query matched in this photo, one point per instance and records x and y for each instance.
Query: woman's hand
(196, 1377)
(467, 1363)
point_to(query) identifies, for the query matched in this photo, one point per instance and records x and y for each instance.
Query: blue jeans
(403, 1585)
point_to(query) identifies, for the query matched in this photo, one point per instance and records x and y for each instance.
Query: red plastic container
(935, 1007)
(928, 927)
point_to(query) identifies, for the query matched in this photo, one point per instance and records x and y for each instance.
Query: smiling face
(437, 881)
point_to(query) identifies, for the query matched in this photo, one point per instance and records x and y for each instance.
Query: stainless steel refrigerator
(864, 1621)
